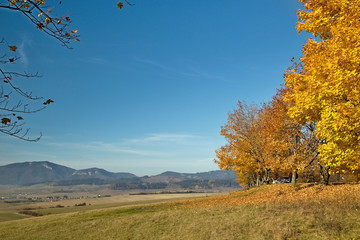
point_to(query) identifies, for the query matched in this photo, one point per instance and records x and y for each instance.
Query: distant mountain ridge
(217, 174)
(29, 173)
(100, 173)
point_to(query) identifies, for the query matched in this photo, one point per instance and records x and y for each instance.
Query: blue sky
(148, 87)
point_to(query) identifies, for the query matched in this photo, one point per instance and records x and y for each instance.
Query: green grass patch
(10, 216)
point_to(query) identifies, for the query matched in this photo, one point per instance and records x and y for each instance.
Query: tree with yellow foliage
(290, 146)
(265, 142)
(244, 151)
(325, 92)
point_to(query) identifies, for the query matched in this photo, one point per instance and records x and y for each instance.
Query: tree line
(314, 119)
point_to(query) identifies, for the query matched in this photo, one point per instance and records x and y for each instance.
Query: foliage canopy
(316, 117)
(325, 91)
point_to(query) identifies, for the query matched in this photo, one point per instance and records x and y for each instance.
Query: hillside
(99, 173)
(282, 211)
(30, 173)
(218, 174)
(33, 172)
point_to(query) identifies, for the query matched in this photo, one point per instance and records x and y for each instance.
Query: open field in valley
(78, 199)
(284, 211)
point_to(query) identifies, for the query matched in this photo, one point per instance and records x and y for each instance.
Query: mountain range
(29, 173)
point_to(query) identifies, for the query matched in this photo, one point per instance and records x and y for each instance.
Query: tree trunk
(324, 174)
(294, 177)
(268, 174)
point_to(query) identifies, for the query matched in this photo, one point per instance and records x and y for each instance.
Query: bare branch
(129, 3)
(13, 8)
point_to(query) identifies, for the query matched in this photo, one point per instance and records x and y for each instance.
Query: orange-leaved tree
(265, 142)
(290, 146)
(326, 91)
(244, 150)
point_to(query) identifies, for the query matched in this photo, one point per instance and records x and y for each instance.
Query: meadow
(16, 204)
(283, 211)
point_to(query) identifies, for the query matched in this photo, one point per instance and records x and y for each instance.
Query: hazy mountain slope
(99, 173)
(29, 173)
(33, 172)
(218, 174)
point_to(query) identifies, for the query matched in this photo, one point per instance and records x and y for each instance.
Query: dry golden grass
(287, 193)
(279, 212)
(10, 211)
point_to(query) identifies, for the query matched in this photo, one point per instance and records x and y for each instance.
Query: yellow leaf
(74, 31)
(120, 5)
(78, 40)
(40, 26)
(13, 48)
(12, 2)
(47, 20)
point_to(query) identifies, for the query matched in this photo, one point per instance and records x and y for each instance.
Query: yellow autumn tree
(244, 151)
(325, 92)
(265, 142)
(285, 138)
(291, 147)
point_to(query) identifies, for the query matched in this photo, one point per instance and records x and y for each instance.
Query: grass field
(269, 212)
(10, 211)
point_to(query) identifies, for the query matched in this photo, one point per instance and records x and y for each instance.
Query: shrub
(80, 204)
(31, 213)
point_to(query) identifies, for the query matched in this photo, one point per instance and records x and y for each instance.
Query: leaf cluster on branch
(15, 102)
(43, 16)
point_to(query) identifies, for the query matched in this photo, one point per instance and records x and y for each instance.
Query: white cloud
(96, 60)
(148, 154)
(153, 63)
(105, 147)
(191, 73)
(152, 145)
(164, 137)
(23, 57)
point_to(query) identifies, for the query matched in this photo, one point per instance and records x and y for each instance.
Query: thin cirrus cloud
(136, 146)
(164, 137)
(23, 57)
(96, 60)
(26, 42)
(191, 73)
(105, 147)
(158, 65)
